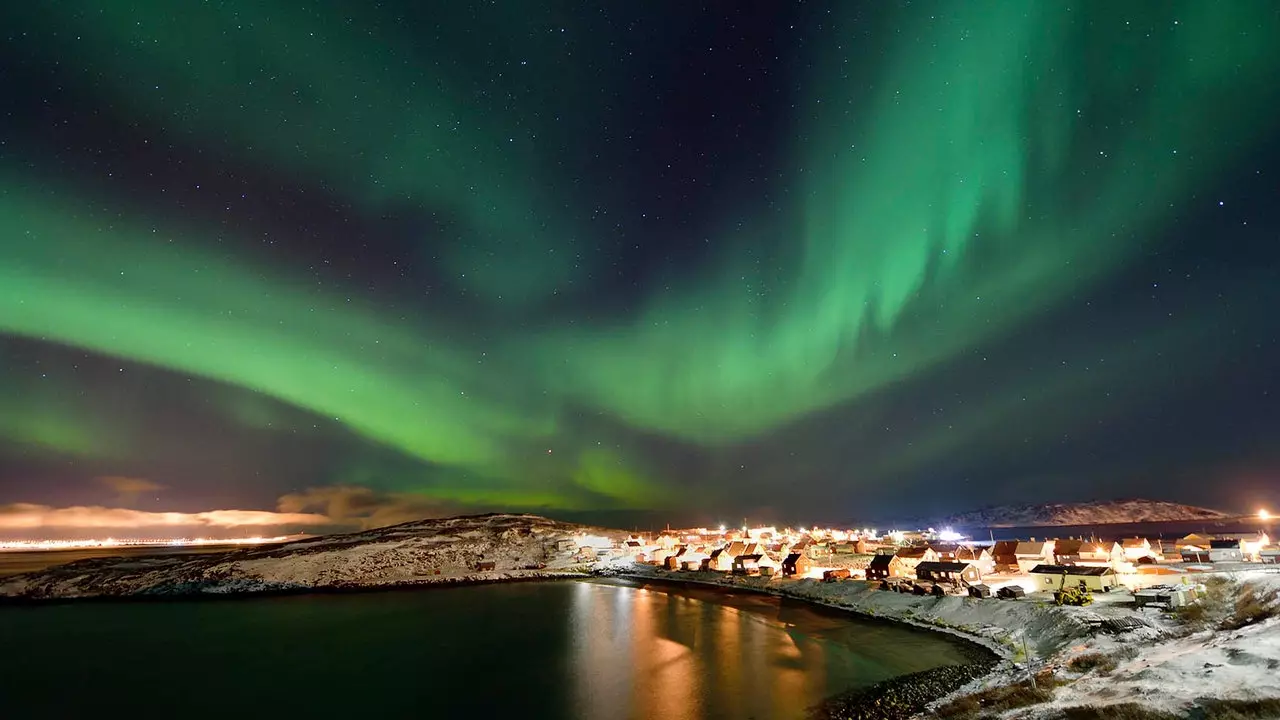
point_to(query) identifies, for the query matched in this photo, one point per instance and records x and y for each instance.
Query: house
(1005, 555)
(1138, 550)
(885, 566)
(754, 564)
(1226, 551)
(836, 575)
(719, 560)
(1087, 552)
(910, 557)
(796, 564)
(1056, 577)
(1193, 542)
(1269, 554)
(978, 556)
(486, 565)
(1032, 553)
(948, 572)
(818, 550)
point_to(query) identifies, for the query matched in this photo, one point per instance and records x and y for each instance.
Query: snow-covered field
(426, 552)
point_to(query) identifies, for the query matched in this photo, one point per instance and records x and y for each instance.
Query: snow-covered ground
(450, 550)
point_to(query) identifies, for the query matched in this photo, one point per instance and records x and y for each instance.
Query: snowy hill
(1087, 513)
(447, 550)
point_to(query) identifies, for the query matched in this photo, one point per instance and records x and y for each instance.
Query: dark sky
(822, 261)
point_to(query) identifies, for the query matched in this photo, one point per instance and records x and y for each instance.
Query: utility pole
(1027, 654)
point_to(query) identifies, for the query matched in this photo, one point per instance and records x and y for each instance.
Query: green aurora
(943, 188)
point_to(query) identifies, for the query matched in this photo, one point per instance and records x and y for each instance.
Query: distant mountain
(476, 548)
(1106, 512)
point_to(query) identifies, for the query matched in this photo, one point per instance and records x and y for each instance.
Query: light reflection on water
(698, 657)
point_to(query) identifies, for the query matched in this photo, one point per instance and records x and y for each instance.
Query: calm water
(532, 650)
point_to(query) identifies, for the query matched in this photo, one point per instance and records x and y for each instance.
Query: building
(910, 557)
(797, 563)
(720, 560)
(1005, 555)
(1056, 577)
(883, 567)
(948, 572)
(754, 564)
(1139, 550)
(1088, 552)
(1032, 553)
(1269, 554)
(1226, 551)
(485, 565)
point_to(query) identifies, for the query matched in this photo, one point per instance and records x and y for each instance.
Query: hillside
(417, 553)
(1106, 512)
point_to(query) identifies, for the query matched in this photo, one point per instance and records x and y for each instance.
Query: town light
(948, 535)
(1264, 515)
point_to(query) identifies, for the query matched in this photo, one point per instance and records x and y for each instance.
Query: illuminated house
(1005, 555)
(796, 564)
(1056, 577)
(1033, 553)
(886, 566)
(1088, 552)
(979, 557)
(1138, 550)
(754, 564)
(910, 557)
(948, 572)
(719, 560)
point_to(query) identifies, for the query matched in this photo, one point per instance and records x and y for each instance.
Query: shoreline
(278, 592)
(993, 649)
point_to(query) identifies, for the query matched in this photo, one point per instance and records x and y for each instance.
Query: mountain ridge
(1095, 512)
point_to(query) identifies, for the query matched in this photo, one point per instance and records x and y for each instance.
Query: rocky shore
(905, 696)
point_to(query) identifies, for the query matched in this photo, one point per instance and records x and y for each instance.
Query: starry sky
(812, 261)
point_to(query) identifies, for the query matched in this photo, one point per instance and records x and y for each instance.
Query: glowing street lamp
(1264, 515)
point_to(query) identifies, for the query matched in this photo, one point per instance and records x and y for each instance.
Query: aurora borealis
(820, 260)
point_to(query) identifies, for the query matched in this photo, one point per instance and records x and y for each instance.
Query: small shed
(979, 591)
(836, 575)
(486, 565)
(1011, 592)
(795, 564)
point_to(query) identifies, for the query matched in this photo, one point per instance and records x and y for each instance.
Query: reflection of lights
(136, 542)
(949, 535)
(1264, 515)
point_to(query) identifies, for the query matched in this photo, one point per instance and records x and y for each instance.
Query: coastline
(223, 594)
(989, 648)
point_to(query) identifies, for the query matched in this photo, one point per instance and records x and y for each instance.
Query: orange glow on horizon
(17, 545)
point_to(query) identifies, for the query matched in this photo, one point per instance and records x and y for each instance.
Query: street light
(1264, 515)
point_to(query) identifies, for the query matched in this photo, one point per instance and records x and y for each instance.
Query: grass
(1253, 605)
(1268, 709)
(999, 699)
(1101, 662)
(1212, 607)
(1121, 711)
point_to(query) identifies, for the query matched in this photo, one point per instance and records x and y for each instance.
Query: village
(940, 563)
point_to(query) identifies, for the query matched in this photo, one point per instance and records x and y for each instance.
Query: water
(566, 649)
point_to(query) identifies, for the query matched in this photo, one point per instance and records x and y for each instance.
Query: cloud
(27, 516)
(362, 506)
(129, 485)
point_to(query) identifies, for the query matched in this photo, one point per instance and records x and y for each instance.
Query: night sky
(819, 261)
